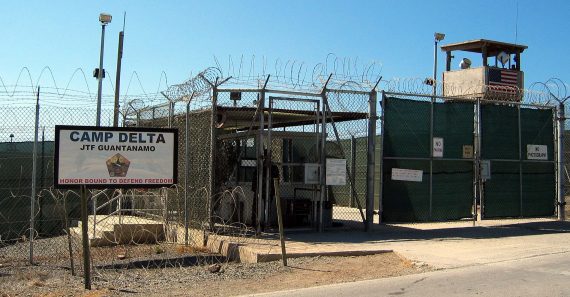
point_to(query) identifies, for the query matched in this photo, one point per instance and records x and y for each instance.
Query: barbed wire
(470, 92)
(555, 88)
(141, 245)
(20, 92)
(290, 75)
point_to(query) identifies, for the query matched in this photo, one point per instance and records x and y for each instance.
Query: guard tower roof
(493, 48)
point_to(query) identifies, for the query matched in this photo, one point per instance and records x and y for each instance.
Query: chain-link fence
(37, 221)
(235, 137)
(41, 225)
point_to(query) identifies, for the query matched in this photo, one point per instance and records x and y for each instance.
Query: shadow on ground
(392, 233)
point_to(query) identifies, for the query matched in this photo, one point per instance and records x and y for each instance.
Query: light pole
(105, 19)
(437, 38)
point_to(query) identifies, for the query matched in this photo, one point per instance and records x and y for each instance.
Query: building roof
(241, 118)
(477, 46)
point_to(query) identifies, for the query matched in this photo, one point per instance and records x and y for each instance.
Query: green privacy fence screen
(353, 147)
(443, 186)
(407, 146)
(519, 186)
(15, 189)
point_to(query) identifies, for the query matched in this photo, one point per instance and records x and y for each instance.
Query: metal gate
(308, 140)
(295, 140)
(427, 170)
(518, 143)
(436, 154)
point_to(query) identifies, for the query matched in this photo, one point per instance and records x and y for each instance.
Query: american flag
(503, 77)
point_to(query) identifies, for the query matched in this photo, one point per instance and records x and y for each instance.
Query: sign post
(109, 157)
(85, 238)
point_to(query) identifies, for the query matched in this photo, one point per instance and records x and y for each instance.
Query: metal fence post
(171, 113)
(259, 163)
(186, 168)
(479, 155)
(371, 161)
(520, 161)
(323, 153)
(213, 133)
(267, 166)
(476, 161)
(323, 161)
(382, 122)
(352, 167)
(561, 198)
(34, 178)
(432, 103)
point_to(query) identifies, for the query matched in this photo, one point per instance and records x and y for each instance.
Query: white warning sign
(336, 172)
(407, 174)
(437, 147)
(536, 152)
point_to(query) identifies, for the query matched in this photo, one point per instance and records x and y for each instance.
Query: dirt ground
(302, 273)
(233, 278)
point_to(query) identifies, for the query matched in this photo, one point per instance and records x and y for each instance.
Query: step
(124, 230)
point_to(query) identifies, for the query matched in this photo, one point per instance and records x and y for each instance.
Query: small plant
(159, 250)
(191, 249)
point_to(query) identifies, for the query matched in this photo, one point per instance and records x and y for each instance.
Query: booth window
(248, 160)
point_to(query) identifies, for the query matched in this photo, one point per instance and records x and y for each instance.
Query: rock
(214, 268)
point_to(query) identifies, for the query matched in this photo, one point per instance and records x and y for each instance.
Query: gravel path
(231, 279)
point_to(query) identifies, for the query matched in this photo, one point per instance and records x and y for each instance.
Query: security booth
(498, 77)
(294, 160)
(291, 143)
(318, 139)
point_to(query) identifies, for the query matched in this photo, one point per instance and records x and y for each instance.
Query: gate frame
(319, 126)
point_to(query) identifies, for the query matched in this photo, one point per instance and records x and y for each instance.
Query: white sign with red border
(106, 157)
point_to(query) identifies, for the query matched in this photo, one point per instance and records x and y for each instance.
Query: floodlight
(105, 18)
(438, 36)
(503, 58)
(465, 63)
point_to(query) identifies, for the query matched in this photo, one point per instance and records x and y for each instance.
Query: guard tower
(498, 78)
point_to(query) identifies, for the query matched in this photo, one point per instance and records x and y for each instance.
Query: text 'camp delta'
(131, 137)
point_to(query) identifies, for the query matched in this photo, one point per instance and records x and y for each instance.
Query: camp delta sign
(106, 157)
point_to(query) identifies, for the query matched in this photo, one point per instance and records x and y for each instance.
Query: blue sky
(182, 37)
